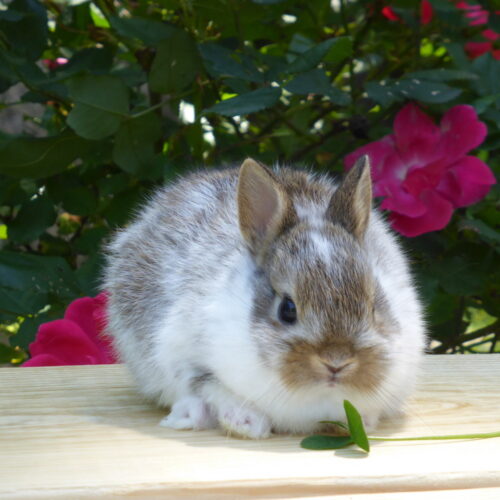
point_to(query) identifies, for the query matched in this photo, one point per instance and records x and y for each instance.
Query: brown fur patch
(365, 370)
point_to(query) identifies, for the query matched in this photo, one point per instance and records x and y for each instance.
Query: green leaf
(382, 93)
(78, 200)
(69, 191)
(96, 61)
(175, 65)
(340, 50)
(91, 239)
(134, 143)
(442, 75)
(250, 102)
(90, 274)
(11, 15)
(442, 308)
(423, 91)
(460, 276)
(121, 207)
(22, 302)
(486, 232)
(36, 158)
(219, 62)
(494, 21)
(101, 103)
(486, 103)
(34, 217)
(458, 55)
(356, 427)
(26, 29)
(336, 48)
(317, 82)
(488, 70)
(27, 330)
(113, 184)
(147, 30)
(322, 442)
(298, 45)
(420, 90)
(26, 281)
(98, 17)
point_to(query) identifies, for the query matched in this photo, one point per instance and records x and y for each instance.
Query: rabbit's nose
(334, 369)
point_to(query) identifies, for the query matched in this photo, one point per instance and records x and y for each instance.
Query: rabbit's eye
(287, 311)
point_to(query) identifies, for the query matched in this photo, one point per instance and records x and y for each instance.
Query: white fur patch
(310, 212)
(321, 246)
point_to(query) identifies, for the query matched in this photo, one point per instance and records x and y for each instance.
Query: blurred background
(102, 101)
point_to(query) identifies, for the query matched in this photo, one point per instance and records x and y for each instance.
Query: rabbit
(257, 299)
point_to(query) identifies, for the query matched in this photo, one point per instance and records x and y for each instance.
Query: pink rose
(422, 172)
(78, 339)
(478, 17)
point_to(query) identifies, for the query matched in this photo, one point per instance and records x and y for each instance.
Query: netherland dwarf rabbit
(258, 299)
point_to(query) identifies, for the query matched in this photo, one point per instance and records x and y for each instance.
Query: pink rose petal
(467, 182)
(403, 203)
(476, 49)
(416, 135)
(461, 131)
(81, 312)
(65, 340)
(436, 217)
(388, 13)
(490, 35)
(426, 12)
(78, 339)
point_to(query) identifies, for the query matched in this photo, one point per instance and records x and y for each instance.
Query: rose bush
(422, 171)
(103, 101)
(479, 17)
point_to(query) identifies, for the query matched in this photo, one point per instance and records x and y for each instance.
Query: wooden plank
(80, 432)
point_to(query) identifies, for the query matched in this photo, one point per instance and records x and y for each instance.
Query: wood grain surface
(83, 432)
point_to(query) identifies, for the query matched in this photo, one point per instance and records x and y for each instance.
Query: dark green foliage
(154, 89)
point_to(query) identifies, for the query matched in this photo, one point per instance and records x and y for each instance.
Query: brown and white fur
(195, 284)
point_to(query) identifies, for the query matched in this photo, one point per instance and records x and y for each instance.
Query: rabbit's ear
(264, 207)
(351, 203)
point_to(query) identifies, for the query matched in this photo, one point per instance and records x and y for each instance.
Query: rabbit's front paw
(189, 413)
(244, 422)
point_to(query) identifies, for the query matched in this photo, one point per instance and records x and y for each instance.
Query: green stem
(484, 435)
(146, 111)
